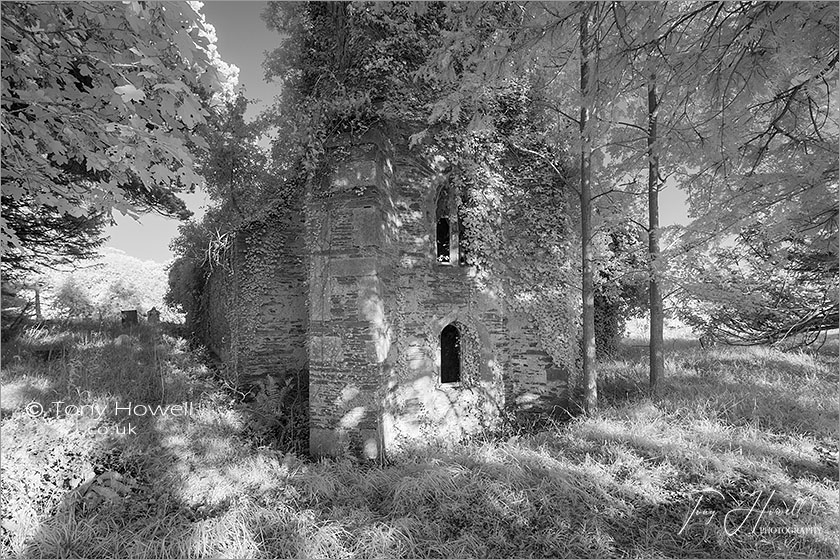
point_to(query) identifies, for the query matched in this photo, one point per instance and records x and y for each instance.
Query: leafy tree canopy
(102, 105)
(743, 96)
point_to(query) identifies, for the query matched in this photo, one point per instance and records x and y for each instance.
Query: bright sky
(243, 40)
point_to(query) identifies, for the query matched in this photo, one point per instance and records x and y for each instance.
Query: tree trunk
(657, 318)
(590, 373)
(38, 315)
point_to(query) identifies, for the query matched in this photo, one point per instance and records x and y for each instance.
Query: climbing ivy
(515, 208)
(351, 67)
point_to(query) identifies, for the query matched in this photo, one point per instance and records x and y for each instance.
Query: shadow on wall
(446, 387)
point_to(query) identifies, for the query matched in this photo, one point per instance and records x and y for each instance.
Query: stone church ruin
(362, 294)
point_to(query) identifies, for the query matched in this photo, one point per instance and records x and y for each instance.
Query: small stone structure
(128, 317)
(363, 287)
(153, 316)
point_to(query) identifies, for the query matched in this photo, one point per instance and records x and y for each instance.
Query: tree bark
(590, 373)
(38, 315)
(657, 317)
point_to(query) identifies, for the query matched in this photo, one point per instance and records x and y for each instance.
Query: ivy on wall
(520, 238)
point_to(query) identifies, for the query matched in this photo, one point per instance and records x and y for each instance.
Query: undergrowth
(738, 458)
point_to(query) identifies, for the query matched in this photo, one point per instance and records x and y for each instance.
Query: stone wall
(350, 290)
(259, 317)
(534, 380)
(503, 361)
(349, 332)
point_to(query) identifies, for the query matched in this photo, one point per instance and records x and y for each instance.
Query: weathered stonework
(351, 289)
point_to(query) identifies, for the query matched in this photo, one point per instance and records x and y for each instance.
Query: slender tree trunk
(590, 373)
(38, 315)
(657, 318)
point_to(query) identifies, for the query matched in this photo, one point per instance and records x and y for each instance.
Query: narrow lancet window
(450, 354)
(462, 242)
(443, 240)
(443, 231)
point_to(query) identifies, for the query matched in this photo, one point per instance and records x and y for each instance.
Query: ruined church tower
(360, 304)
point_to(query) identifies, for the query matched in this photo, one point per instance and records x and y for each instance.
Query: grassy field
(738, 458)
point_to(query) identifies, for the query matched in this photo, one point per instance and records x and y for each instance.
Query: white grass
(748, 423)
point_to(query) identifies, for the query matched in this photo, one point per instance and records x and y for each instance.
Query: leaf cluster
(347, 66)
(760, 290)
(101, 104)
(47, 237)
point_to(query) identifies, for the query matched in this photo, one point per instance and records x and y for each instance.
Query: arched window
(444, 231)
(450, 354)
(450, 234)
(462, 240)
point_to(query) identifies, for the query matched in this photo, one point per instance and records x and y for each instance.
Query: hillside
(113, 282)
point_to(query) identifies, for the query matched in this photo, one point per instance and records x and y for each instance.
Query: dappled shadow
(770, 408)
(718, 450)
(168, 487)
(501, 501)
(80, 409)
(723, 473)
(784, 393)
(420, 409)
(202, 488)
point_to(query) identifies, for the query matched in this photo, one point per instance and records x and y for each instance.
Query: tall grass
(734, 426)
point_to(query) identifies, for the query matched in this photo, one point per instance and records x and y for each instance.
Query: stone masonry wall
(349, 289)
(348, 328)
(502, 360)
(264, 281)
(211, 326)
